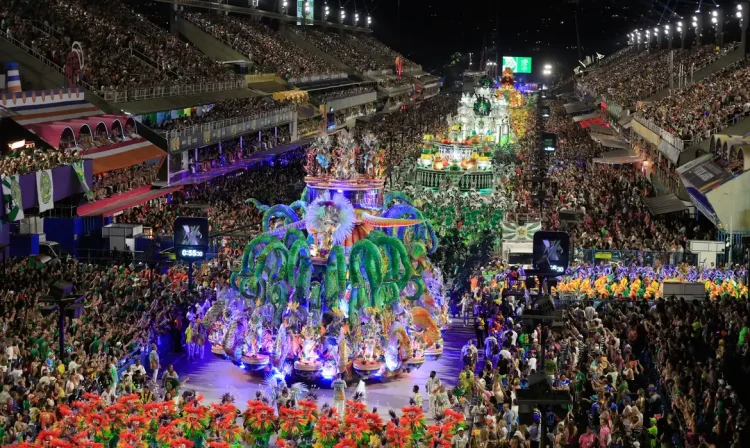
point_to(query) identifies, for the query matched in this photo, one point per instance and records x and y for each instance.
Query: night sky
(432, 30)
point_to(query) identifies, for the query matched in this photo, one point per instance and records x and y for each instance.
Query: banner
(78, 168)
(520, 233)
(45, 190)
(12, 199)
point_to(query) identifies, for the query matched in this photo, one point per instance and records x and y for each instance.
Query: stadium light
(342, 15)
(356, 18)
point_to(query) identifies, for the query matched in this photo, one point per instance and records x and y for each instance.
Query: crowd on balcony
(123, 180)
(25, 161)
(107, 30)
(265, 47)
(224, 198)
(344, 51)
(396, 81)
(338, 94)
(693, 113)
(380, 50)
(640, 75)
(240, 108)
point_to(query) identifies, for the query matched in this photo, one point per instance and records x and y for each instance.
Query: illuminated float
(463, 157)
(339, 282)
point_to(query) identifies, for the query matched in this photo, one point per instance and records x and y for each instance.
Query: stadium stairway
(701, 74)
(307, 46)
(207, 44)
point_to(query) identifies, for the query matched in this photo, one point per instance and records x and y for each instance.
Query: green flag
(12, 198)
(78, 167)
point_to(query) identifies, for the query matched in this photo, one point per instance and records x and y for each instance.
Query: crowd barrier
(627, 257)
(148, 93)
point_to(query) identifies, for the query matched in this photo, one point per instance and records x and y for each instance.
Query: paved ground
(212, 377)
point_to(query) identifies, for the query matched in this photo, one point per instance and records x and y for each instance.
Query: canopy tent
(609, 141)
(626, 121)
(619, 157)
(601, 129)
(123, 155)
(52, 133)
(591, 122)
(662, 205)
(583, 117)
(577, 107)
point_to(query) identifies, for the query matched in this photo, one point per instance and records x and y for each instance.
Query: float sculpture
(339, 281)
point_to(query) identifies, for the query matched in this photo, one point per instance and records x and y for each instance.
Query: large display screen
(190, 238)
(519, 64)
(305, 11)
(551, 251)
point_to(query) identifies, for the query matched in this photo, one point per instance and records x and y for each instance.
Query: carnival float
(481, 126)
(339, 281)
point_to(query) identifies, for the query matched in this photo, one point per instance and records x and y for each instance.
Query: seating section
(267, 48)
(341, 49)
(234, 108)
(341, 93)
(379, 49)
(636, 76)
(693, 113)
(107, 30)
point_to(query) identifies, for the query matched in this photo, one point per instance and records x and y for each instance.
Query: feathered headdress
(337, 212)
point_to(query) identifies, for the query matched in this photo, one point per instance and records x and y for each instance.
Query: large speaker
(61, 289)
(539, 382)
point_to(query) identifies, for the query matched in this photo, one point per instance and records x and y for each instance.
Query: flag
(577, 70)
(582, 63)
(45, 190)
(599, 56)
(12, 198)
(523, 232)
(78, 167)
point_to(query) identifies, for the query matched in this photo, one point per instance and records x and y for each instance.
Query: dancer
(339, 395)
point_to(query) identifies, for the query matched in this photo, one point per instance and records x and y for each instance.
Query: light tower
(356, 19)
(657, 34)
(741, 14)
(369, 21)
(682, 33)
(326, 12)
(717, 21)
(698, 25)
(342, 16)
(668, 35)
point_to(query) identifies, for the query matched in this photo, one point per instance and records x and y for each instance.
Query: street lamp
(284, 5)
(326, 12)
(342, 15)
(668, 33)
(356, 18)
(369, 21)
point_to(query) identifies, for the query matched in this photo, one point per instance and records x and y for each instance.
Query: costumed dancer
(431, 389)
(361, 392)
(339, 395)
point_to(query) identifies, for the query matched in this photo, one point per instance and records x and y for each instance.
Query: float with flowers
(340, 280)
(647, 283)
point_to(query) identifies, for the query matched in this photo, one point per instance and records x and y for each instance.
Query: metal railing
(315, 78)
(627, 257)
(148, 93)
(41, 57)
(670, 138)
(225, 123)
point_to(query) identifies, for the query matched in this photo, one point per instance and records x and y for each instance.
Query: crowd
(609, 199)
(382, 51)
(340, 49)
(119, 181)
(398, 81)
(341, 93)
(639, 374)
(240, 108)
(25, 161)
(266, 48)
(121, 312)
(693, 113)
(639, 76)
(222, 200)
(107, 31)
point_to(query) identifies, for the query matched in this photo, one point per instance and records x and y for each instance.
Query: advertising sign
(551, 251)
(305, 10)
(190, 238)
(519, 64)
